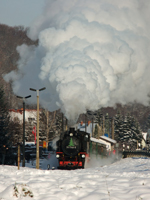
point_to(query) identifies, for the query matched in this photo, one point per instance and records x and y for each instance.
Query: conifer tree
(5, 144)
(118, 127)
(107, 124)
(147, 123)
(4, 119)
(127, 131)
(99, 118)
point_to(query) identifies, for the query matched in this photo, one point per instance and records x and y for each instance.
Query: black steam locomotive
(72, 148)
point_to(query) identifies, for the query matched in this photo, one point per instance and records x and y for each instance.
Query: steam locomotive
(72, 149)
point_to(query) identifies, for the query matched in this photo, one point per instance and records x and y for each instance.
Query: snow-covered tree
(127, 131)
(118, 127)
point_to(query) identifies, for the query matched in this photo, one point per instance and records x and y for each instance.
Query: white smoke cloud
(90, 54)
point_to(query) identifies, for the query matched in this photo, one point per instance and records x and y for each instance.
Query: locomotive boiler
(72, 149)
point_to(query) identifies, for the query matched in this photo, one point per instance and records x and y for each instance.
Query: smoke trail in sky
(90, 54)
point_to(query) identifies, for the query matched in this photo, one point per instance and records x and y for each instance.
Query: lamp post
(37, 143)
(23, 161)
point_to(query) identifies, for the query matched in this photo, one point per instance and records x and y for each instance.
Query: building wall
(29, 114)
(108, 144)
(81, 127)
(143, 141)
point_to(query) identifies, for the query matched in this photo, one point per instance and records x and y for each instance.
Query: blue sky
(20, 12)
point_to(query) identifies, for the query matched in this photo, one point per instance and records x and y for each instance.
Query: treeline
(124, 129)
(10, 38)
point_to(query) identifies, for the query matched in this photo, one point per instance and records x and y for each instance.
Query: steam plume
(90, 54)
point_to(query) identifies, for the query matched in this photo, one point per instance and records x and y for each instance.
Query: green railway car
(97, 148)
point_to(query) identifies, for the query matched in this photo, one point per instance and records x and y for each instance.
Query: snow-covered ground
(126, 179)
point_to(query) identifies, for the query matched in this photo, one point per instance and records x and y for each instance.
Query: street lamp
(23, 161)
(37, 143)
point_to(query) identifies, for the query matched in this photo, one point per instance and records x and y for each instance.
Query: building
(30, 115)
(110, 143)
(88, 127)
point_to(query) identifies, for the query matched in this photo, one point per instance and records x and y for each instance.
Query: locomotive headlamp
(86, 136)
(71, 134)
(57, 155)
(83, 156)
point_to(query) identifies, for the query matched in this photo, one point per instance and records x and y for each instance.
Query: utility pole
(37, 144)
(85, 122)
(18, 156)
(23, 161)
(37, 150)
(103, 125)
(92, 126)
(47, 130)
(112, 128)
(62, 122)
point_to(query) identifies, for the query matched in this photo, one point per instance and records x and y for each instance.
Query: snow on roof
(108, 139)
(96, 140)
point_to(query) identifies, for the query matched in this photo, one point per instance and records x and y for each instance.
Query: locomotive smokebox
(72, 129)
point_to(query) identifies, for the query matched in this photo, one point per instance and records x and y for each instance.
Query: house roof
(108, 139)
(96, 140)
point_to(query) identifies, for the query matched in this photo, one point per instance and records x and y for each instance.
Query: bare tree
(16, 131)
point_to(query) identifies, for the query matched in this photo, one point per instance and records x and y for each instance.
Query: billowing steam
(90, 54)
